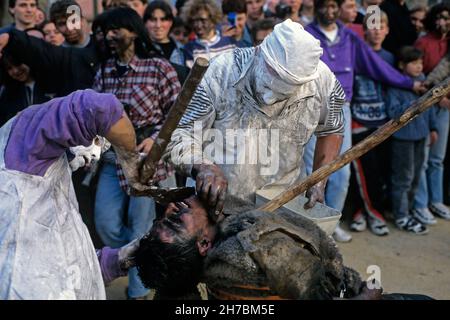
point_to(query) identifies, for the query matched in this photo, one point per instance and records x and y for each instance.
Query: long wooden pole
(173, 118)
(433, 96)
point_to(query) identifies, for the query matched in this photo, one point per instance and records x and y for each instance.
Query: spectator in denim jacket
(408, 143)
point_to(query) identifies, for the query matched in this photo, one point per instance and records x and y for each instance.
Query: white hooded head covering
(292, 52)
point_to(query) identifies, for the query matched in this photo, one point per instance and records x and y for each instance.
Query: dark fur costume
(283, 251)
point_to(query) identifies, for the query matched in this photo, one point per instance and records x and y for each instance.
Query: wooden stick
(173, 118)
(422, 104)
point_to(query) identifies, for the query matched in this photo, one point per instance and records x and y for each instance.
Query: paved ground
(408, 263)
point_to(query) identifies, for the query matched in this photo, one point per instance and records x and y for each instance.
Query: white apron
(45, 248)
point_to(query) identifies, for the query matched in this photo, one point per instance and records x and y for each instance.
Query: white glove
(85, 155)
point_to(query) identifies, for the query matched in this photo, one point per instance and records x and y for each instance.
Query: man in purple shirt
(45, 248)
(346, 55)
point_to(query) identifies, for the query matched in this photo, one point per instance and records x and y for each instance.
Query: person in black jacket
(64, 69)
(19, 89)
(401, 30)
(61, 69)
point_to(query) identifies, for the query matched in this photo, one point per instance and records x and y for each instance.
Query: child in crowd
(368, 114)
(408, 144)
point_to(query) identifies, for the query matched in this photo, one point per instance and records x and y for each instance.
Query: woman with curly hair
(204, 16)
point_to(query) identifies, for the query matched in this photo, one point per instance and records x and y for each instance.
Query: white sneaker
(441, 210)
(359, 223)
(340, 235)
(424, 216)
(377, 226)
(411, 224)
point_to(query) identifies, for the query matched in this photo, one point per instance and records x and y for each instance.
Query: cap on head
(292, 52)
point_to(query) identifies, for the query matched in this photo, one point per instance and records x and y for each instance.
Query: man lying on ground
(246, 253)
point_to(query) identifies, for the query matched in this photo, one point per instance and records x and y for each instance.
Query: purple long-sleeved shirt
(40, 134)
(108, 259)
(349, 55)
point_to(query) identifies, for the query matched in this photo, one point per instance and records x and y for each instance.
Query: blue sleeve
(42, 133)
(396, 103)
(188, 55)
(373, 66)
(432, 118)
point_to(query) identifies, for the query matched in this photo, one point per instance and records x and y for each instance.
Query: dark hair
(127, 18)
(40, 9)
(100, 21)
(179, 5)
(417, 9)
(171, 268)
(12, 3)
(176, 267)
(59, 9)
(321, 3)
(191, 7)
(264, 24)
(408, 54)
(158, 4)
(238, 6)
(340, 2)
(430, 19)
(178, 22)
(44, 23)
(7, 60)
(108, 4)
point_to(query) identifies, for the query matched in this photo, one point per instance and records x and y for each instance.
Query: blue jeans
(431, 183)
(120, 219)
(407, 161)
(338, 182)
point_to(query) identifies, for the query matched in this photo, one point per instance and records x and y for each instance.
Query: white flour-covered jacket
(270, 152)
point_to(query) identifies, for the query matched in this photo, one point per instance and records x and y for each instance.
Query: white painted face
(268, 85)
(85, 155)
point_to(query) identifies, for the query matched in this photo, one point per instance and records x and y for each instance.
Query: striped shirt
(208, 48)
(226, 103)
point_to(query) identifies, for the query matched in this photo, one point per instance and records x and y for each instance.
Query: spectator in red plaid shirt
(147, 86)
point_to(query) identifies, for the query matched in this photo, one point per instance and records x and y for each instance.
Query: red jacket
(434, 49)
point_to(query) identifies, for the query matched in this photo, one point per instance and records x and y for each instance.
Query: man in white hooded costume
(277, 95)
